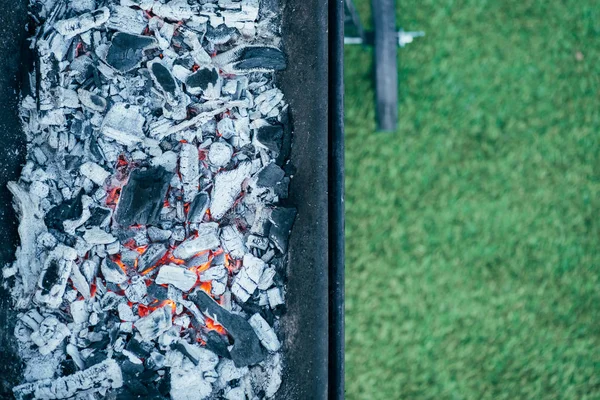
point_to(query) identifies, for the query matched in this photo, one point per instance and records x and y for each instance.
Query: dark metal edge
(336, 200)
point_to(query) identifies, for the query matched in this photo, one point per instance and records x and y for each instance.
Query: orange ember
(93, 289)
(113, 196)
(206, 286)
(213, 326)
(117, 260)
(143, 310)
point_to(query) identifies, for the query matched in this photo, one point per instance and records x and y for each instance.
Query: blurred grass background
(473, 231)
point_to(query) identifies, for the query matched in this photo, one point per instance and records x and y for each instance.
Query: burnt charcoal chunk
(282, 220)
(69, 209)
(253, 57)
(270, 175)
(140, 349)
(246, 348)
(217, 344)
(127, 51)
(68, 367)
(220, 35)
(282, 187)
(142, 197)
(99, 214)
(270, 136)
(51, 276)
(157, 292)
(96, 358)
(202, 78)
(164, 78)
(198, 207)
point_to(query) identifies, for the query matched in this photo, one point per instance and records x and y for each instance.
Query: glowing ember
(213, 326)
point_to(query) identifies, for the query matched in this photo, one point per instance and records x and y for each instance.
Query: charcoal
(246, 281)
(282, 220)
(245, 59)
(124, 124)
(246, 348)
(265, 333)
(227, 188)
(217, 344)
(270, 137)
(203, 80)
(68, 209)
(139, 348)
(151, 256)
(198, 208)
(270, 175)
(153, 325)
(190, 173)
(142, 197)
(157, 292)
(158, 235)
(101, 376)
(206, 239)
(219, 154)
(183, 279)
(112, 272)
(127, 51)
(127, 20)
(82, 23)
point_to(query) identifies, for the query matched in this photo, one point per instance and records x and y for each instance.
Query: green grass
(473, 232)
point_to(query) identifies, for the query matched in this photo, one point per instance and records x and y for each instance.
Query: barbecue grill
(313, 85)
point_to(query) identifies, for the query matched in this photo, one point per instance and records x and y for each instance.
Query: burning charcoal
(248, 58)
(269, 176)
(246, 348)
(190, 172)
(282, 220)
(157, 292)
(214, 273)
(53, 280)
(82, 23)
(126, 51)
(127, 20)
(136, 291)
(69, 209)
(198, 208)
(269, 137)
(151, 256)
(228, 186)
(174, 10)
(112, 272)
(79, 311)
(206, 239)
(246, 281)
(98, 217)
(157, 322)
(183, 279)
(97, 378)
(113, 248)
(142, 197)
(232, 242)
(124, 124)
(158, 235)
(205, 81)
(50, 334)
(92, 101)
(219, 154)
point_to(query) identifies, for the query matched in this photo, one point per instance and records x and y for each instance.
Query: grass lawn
(473, 247)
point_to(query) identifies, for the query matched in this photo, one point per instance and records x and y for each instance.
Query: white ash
(182, 97)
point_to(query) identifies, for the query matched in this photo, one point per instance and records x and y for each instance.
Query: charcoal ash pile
(152, 208)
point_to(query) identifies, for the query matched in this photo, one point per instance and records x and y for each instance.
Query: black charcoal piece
(220, 35)
(263, 58)
(202, 78)
(217, 344)
(140, 349)
(142, 197)
(69, 209)
(99, 215)
(270, 175)
(270, 136)
(282, 220)
(157, 292)
(163, 78)
(198, 208)
(246, 348)
(51, 276)
(126, 51)
(151, 256)
(282, 187)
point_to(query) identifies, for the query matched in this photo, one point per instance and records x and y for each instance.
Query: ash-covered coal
(152, 233)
